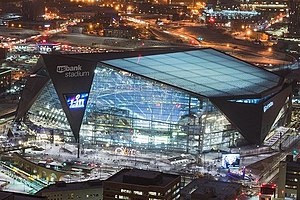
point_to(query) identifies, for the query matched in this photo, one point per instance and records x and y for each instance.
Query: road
(240, 49)
(189, 34)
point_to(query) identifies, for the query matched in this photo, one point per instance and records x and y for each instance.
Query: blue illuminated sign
(77, 101)
(250, 101)
(268, 106)
(247, 101)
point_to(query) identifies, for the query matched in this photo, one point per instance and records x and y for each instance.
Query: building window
(123, 197)
(138, 192)
(125, 191)
(152, 193)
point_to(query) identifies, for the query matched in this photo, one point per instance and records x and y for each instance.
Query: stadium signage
(77, 101)
(72, 71)
(268, 106)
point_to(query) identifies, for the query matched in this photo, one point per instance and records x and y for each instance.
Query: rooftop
(18, 196)
(199, 71)
(142, 177)
(206, 72)
(63, 186)
(211, 188)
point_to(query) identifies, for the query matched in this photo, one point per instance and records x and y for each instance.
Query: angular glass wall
(128, 110)
(218, 134)
(278, 130)
(46, 114)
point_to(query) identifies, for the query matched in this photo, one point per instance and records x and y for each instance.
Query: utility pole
(78, 147)
(280, 143)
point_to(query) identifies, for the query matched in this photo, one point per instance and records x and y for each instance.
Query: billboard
(231, 160)
(45, 48)
(76, 101)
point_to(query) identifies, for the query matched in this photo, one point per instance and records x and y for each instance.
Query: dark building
(289, 177)
(294, 25)
(161, 8)
(202, 188)
(223, 4)
(19, 196)
(10, 6)
(107, 16)
(5, 79)
(3, 53)
(33, 10)
(120, 32)
(36, 25)
(188, 100)
(141, 184)
(91, 190)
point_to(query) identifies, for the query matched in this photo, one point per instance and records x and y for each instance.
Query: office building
(289, 178)
(141, 184)
(294, 12)
(61, 190)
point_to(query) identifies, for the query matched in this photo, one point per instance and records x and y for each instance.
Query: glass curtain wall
(46, 115)
(128, 110)
(125, 110)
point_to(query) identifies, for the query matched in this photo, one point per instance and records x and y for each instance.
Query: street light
(248, 32)
(269, 49)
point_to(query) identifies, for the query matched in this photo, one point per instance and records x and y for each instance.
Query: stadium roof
(206, 72)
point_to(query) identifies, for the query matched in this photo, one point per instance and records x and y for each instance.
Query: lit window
(138, 192)
(123, 197)
(125, 191)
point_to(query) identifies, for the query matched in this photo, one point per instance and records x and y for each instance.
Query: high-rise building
(141, 184)
(294, 25)
(289, 178)
(33, 10)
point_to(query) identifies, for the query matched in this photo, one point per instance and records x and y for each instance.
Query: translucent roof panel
(206, 72)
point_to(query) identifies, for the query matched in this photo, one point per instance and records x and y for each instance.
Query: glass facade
(130, 111)
(46, 114)
(206, 72)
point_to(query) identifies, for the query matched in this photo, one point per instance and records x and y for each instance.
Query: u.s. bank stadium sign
(72, 71)
(268, 106)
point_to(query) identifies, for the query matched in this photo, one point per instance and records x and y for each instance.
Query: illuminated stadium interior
(128, 110)
(187, 101)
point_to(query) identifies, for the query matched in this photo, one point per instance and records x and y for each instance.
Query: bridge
(34, 169)
(15, 148)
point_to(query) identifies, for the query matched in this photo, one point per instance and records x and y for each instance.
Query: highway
(188, 34)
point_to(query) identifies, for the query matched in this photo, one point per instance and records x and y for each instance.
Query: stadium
(183, 100)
